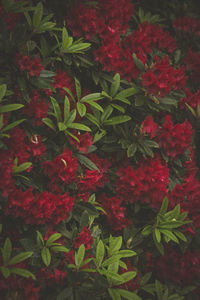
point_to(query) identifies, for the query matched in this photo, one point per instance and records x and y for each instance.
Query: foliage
(99, 150)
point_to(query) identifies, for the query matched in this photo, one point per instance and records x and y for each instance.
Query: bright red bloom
(85, 238)
(147, 184)
(175, 139)
(37, 109)
(149, 126)
(32, 66)
(163, 78)
(115, 212)
(85, 141)
(63, 168)
(187, 24)
(192, 99)
(192, 62)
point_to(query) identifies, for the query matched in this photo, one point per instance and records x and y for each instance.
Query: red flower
(33, 66)
(85, 238)
(85, 141)
(175, 139)
(149, 126)
(187, 24)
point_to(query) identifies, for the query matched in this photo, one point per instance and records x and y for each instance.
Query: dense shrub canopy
(99, 150)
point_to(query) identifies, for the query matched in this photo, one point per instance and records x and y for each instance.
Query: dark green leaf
(115, 85)
(66, 108)
(56, 108)
(79, 256)
(5, 271)
(157, 234)
(81, 108)
(127, 93)
(114, 294)
(78, 88)
(3, 89)
(6, 251)
(100, 252)
(59, 249)
(117, 120)
(10, 107)
(138, 63)
(49, 123)
(131, 150)
(91, 97)
(21, 168)
(23, 272)
(20, 257)
(164, 206)
(128, 295)
(37, 16)
(79, 126)
(53, 238)
(46, 256)
(87, 162)
(12, 125)
(170, 235)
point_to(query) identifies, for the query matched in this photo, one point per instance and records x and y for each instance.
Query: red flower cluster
(32, 66)
(187, 24)
(41, 208)
(36, 109)
(149, 126)
(175, 139)
(62, 169)
(85, 140)
(192, 62)
(192, 99)
(10, 19)
(115, 212)
(85, 238)
(162, 78)
(179, 268)
(147, 184)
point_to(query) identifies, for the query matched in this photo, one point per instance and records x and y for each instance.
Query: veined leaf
(170, 235)
(46, 256)
(128, 295)
(78, 88)
(79, 256)
(20, 257)
(53, 238)
(100, 252)
(23, 272)
(6, 251)
(87, 162)
(56, 108)
(21, 168)
(115, 85)
(37, 16)
(127, 93)
(10, 107)
(12, 125)
(117, 120)
(81, 108)
(79, 126)
(91, 97)
(3, 89)
(66, 108)
(114, 294)
(49, 123)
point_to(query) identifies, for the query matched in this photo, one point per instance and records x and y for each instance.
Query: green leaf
(40, 240)
(23, 272)
(145, 278)
(20, 257)
(191, 109)
(111, 260)
(127, 93)
(47, 74)
(118, 107)
(6, 251)
(114, 294)
(170, 235)
(126, 253)
(78, 88)
(164, 206)
(93, 119)
(124, 100)
(115, 244)
(157, 235)
(77, 48)
(115, 85)
(79, 256)
(117, 120)
(138, 63)
(91, 97)
(87, 162)
(159, 289)
(61, 126)
(79, 126)
(46, 256)
(37, 16)
(3, 89)
(159, 246)
(107, 112)
(127, 276)
(5, 271)
(49, 123)
(53, 238)
(57, 110)
(12, 125)
(66, 108)
(59, 249)
(131, 150)
(98, 135)
(10, 107)
(95, 105)
(128, 295)
(71, 118)
(180, 235)
(66, 40)
(147, 230)
(140, 100)
(81, 108)
(21, 168)
(100, 252)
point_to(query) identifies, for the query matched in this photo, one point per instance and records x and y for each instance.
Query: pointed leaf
(79, 256)
(6, 251)
(115, 85)
(23, 272)
(10, 107)
(46, 256)
(37, 16)
(81, 108)
(49, 123)
(79, 126)
(3, 89)
(128, 295)
(100, 252)
(117, 120)
(53, 238)
(20, 257)
(78, 88)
